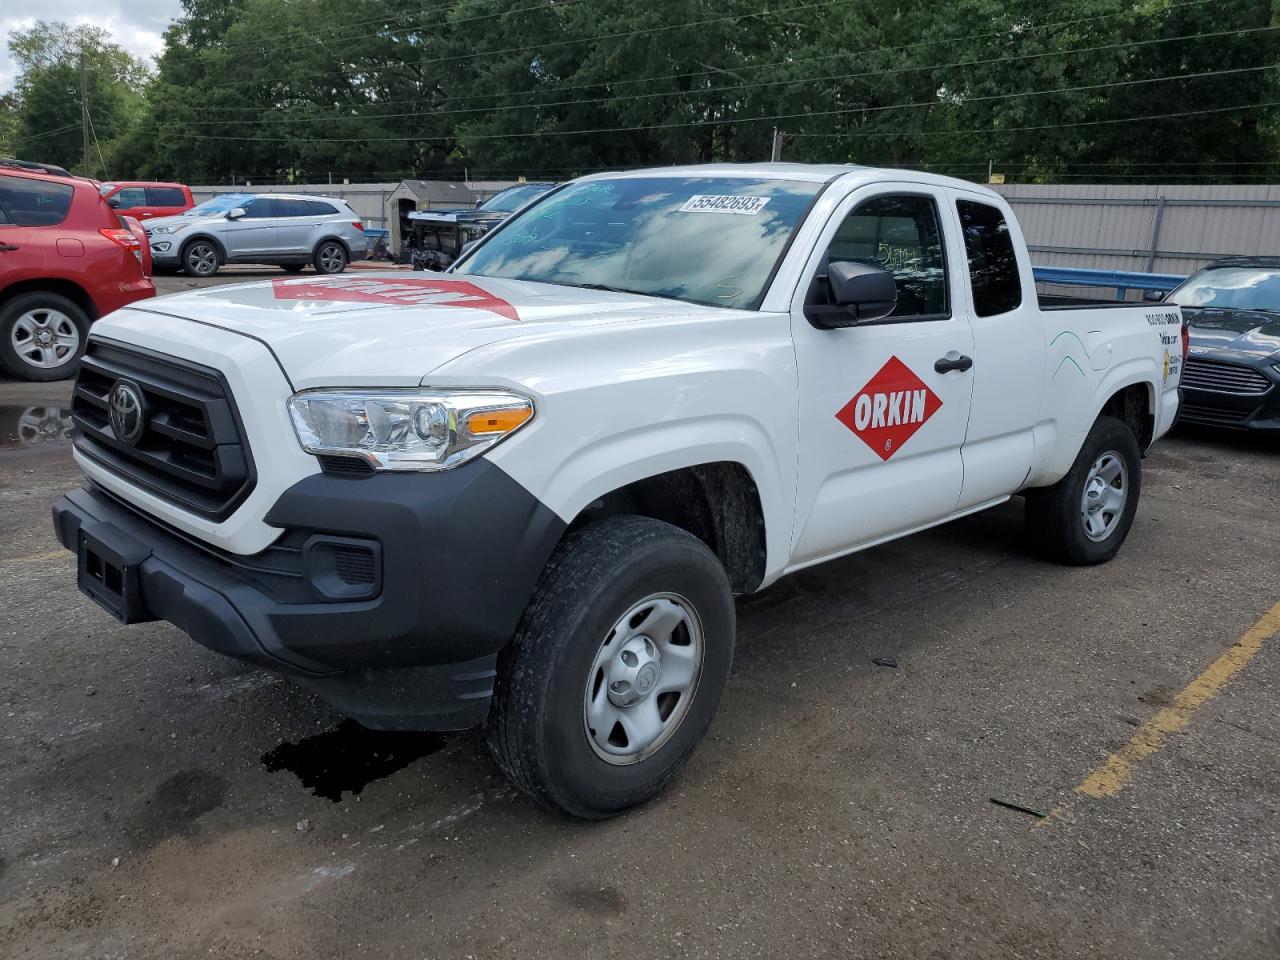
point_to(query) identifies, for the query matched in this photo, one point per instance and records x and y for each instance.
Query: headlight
(407, 429)
(157, 231)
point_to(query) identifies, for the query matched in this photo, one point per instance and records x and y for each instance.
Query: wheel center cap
(44, 338)
(634, 673)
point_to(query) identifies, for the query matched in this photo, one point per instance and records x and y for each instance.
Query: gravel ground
(161, 801)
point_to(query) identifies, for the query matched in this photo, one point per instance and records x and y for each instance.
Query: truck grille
(1221, 377)
(190, 449)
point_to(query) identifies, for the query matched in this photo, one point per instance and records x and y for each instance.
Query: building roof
(440, 191)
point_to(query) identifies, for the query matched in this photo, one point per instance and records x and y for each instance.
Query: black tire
(537, 728)
(330, 257)
(200, 258)
(1054, 516)
(293, 267)
(40, 309)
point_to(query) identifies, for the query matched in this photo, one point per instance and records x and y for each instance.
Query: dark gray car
(286, 229)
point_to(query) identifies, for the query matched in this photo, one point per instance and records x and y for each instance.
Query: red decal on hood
(409, 292)
(893, 405)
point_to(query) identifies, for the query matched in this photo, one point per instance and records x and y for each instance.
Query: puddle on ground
(21, 426)
(347, 759)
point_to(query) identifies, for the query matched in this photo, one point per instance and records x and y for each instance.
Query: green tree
(48, 94)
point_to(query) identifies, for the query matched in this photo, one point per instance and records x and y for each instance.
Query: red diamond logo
(888, 411)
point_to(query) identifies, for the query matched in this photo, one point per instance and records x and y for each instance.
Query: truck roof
(811, 172)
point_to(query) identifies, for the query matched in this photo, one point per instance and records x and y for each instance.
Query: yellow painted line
(1112, 776)
(35, 558)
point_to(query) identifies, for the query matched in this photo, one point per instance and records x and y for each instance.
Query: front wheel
(200, 258)
(617, 668)
(330, 257)
(1085, 517)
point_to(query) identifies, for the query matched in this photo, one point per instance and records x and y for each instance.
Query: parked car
(1232, 377)
(276, 228)
(524, 492)
(66, 259)
(145, 200)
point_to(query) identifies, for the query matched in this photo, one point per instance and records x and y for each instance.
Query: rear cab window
(166, 197)
(34, 203)
(993, 261)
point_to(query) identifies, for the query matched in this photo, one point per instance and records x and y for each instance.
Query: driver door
(255, 232)
(881, 428)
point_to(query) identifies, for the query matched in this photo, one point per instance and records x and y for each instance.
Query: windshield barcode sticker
(705, 203)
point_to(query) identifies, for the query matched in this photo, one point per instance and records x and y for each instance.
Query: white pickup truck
(524, 493)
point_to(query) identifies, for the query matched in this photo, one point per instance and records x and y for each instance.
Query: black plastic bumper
(458, 554)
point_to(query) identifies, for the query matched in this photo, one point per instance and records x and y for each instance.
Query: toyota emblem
(127, 412)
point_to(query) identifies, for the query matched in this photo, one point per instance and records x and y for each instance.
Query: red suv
(143, 200)
(66, 259)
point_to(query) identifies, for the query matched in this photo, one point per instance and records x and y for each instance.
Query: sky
(137, 25)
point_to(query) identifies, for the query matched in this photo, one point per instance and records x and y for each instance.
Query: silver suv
(279, 228)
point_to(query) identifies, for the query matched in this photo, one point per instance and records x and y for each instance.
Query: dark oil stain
(23, 425)
(597, 901)
(177, 803)
(350, 757)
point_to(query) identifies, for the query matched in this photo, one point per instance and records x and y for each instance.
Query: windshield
(220, 204)
(513, 198)
(1231, 288)
(712, 240)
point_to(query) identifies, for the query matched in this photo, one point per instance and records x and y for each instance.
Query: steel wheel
(643, 679)
(1106, 489)
(201, 259)
(44, 338)
(331, 258)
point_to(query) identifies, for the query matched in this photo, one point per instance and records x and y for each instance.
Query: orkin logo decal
(893, 405)
(409, 292)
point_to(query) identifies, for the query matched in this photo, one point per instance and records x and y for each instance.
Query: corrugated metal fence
(1160, 229)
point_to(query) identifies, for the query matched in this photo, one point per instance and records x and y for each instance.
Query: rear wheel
(42, 336)
(200, 258)
(617, 668)
(330, 257)
(1085, 517)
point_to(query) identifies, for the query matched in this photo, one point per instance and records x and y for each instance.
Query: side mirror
(236, 213)
(114, 203)
(859, 293)
(1153, 296)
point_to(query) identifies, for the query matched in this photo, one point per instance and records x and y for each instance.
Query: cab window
(129, 197)
(260, 208)
(166, 197)
(899, 233)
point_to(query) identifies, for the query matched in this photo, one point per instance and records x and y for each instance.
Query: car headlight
(157, 231)
(407, 429)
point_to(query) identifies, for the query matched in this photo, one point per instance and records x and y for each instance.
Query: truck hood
(392, 328)
(1243, 332)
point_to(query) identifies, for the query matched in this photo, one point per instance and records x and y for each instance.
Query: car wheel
(200, 258)
(294, 267)
(330, 257)
(616, 669)
(1085, 517)
(42, 336)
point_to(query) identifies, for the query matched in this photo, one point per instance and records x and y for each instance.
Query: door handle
(946, 365)
(6, 247)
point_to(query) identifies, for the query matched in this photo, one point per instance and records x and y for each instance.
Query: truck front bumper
(388, 595)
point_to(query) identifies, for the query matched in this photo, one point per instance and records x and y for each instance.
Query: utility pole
(84, 114)
(775, 153)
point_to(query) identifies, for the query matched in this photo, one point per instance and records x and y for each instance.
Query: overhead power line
(648, 31)
(709, 91)
(843, 111)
